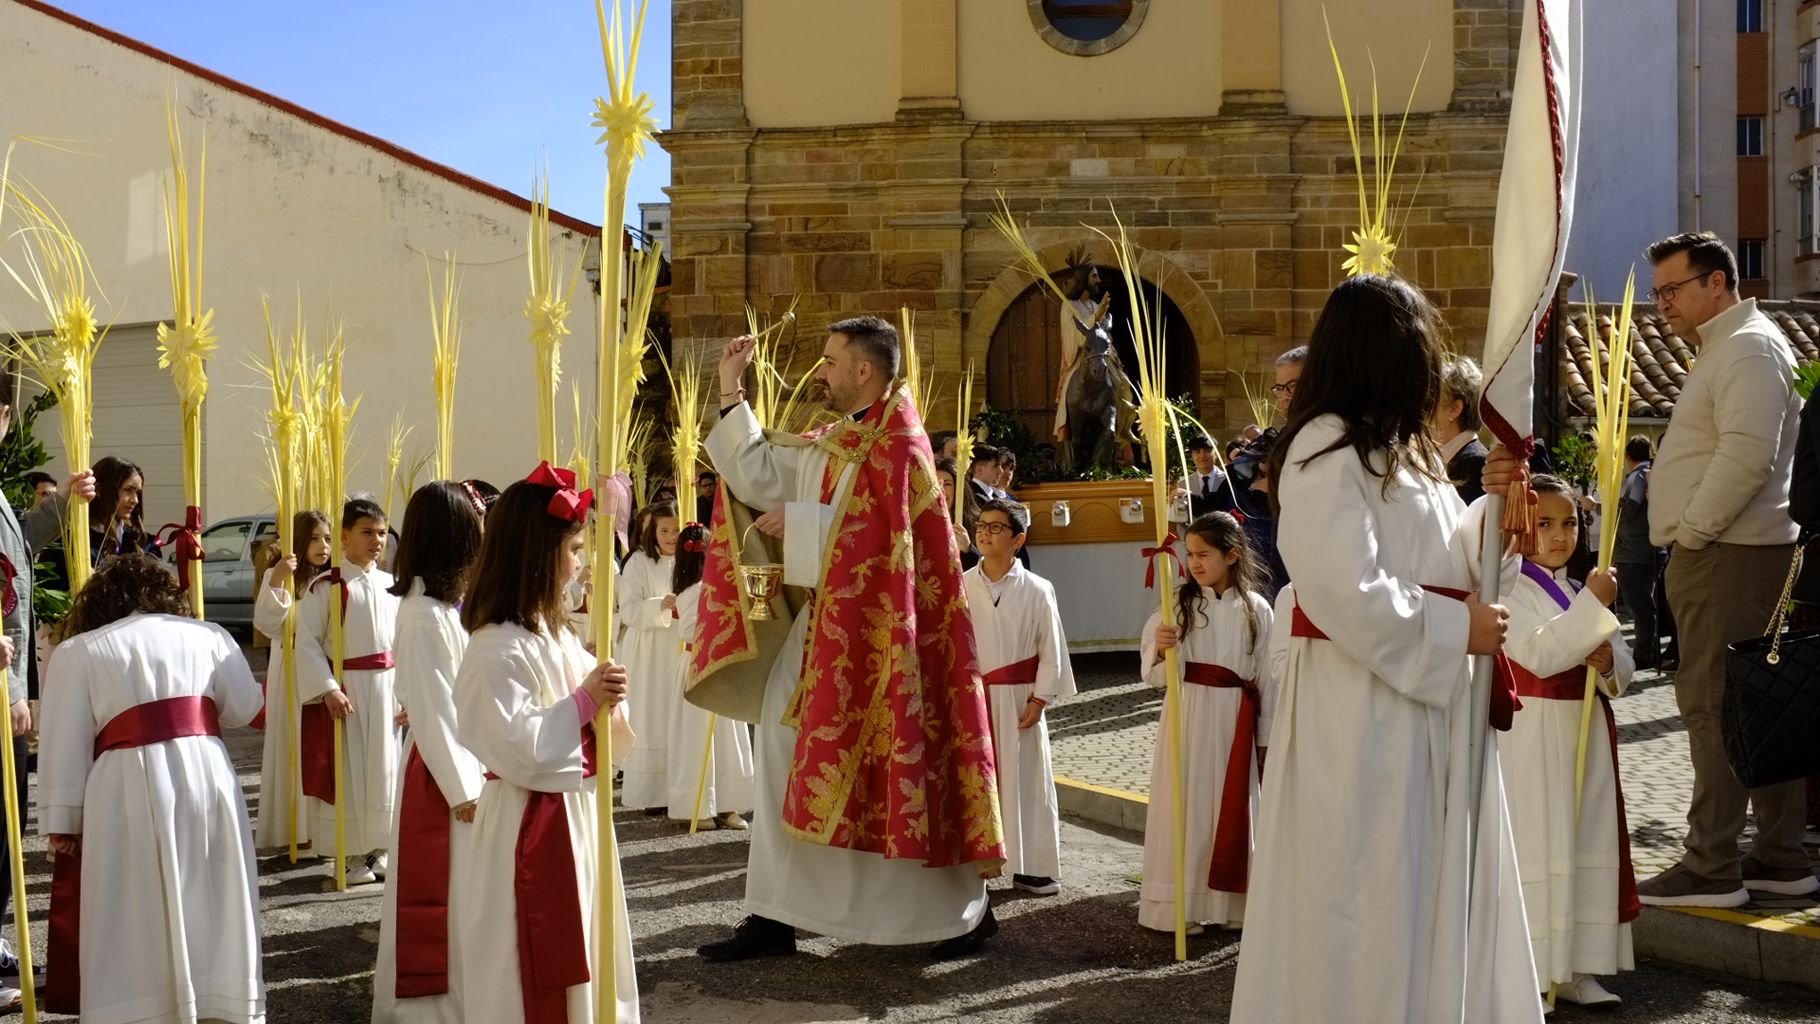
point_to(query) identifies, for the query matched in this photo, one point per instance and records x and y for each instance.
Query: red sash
(1571, 685)
(155, 721)
(421, 873)
(316, 739)
(552, 947)
(1021, 673)
(1504, 702)
(1231, 865)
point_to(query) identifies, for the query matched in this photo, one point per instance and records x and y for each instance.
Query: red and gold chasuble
(894, 746)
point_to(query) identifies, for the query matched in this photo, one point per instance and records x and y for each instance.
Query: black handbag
(1770, 718)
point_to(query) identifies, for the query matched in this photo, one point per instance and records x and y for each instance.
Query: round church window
(1086, 28)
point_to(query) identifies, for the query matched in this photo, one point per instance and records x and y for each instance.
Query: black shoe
(1036, 885)
(656, 812)
(754, 937)
(968, 944)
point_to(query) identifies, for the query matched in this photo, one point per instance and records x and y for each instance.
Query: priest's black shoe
(754, 937)
(968, 944)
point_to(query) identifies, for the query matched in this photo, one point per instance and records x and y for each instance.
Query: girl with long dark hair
(1220, 630)
(1362, 860)
(725, 779)
(273, 605)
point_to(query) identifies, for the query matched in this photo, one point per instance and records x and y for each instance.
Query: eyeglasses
(992, 529)
(1283, 389)
(1666, 293)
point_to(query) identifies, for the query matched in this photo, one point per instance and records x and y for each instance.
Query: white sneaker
(1586, 991)
(380, 863)
(10, 998)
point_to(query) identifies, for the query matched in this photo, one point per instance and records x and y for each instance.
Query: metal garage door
(136, 417)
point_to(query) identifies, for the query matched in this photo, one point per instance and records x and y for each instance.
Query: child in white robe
(1578, 887)
(1221, 635)
(367, 707)
(1023, 657)
(724, 778)
(526, 700)
(155, 889)
(1362, 863)
(417, 978)
(280, 791)
(650, 649)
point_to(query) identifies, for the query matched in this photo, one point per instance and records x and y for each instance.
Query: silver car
(228, 573)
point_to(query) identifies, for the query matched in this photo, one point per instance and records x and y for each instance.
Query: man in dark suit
(1456, 426)
(1206, 486)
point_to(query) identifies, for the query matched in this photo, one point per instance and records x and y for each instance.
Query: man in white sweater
(1719, 495)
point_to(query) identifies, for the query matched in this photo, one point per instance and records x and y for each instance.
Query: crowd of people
(432, 725)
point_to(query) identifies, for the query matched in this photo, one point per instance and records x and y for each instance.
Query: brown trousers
(1721, 594)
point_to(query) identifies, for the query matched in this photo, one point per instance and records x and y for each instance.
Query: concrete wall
(1629, 147)
(1394, 33)
(821, 62)
(292, 208)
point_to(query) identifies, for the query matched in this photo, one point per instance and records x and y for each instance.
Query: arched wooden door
(1024, 362)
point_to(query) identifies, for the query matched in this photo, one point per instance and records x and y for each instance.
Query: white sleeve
(1413, 641)
(1623, 666)
(760, 474)
(1546, 644)
(497, 720)
(640, 596)
(1054, 672)
(66, 733)
(237, 695)
(1150, 662)
(1275, 663)
(271, 608)
(425, 681)
(806, 528)
(315, 673)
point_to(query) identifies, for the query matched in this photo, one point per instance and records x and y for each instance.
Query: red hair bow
(565, 503)
(695, 545)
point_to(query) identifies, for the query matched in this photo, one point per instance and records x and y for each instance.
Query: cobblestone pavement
(1106, 736)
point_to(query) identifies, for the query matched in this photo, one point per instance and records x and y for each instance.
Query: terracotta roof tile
(1659, 358)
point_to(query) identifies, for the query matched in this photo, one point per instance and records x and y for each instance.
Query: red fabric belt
(1231, 865)
(1571, 685)
(157, 721)
(316, 739)
(1021, 673)
(141, 726)
(421, 871)
(552, 946)
(1504, 702)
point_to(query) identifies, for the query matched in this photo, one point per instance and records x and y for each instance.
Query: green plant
(1807, 376)
(20, 453)
(1574, 456)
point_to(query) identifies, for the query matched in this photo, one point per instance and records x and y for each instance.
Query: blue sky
(474, 84)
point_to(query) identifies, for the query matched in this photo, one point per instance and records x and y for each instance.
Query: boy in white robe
(1223, 659)
(155, 889)
(364, 700)
(1578, 887)
(1023, 658)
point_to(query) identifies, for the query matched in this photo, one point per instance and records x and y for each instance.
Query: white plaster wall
(1630, 163)
(292, 208)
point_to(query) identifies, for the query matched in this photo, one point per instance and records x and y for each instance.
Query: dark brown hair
(303, 530)
(1016, 514)
(515, 577)
(646, 541)
(873, 340)
(1374, 361)
(132, 583)
(440, 542)
(1707, 254)
(1226, 535)
(687, 570)
(111, 474)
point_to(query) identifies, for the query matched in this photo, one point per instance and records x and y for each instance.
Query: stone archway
(1158, 271)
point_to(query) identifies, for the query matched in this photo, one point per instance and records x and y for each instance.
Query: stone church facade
(848, 154)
